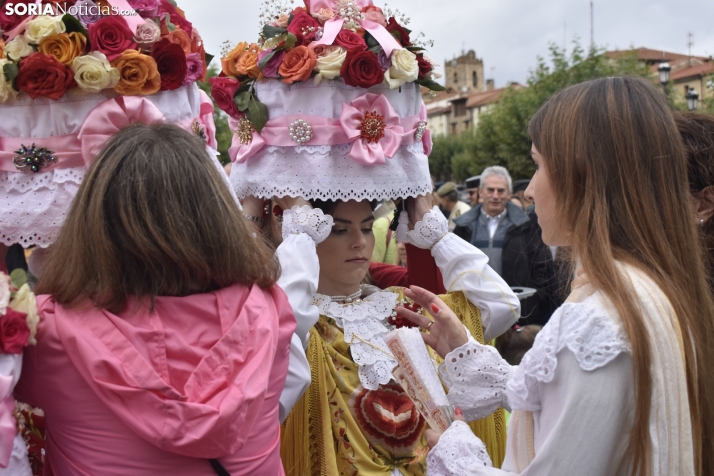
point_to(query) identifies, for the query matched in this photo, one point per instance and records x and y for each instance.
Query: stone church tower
(465, 73)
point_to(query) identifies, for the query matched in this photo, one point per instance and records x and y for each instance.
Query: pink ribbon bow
(334, 25)
(109, 118)
(374, 126)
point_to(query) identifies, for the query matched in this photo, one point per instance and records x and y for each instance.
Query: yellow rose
(248, 62)
(404, 69)
(18, 49)
(43, 26)
(329, 62)
(92, 72)
(229, 62)
(138, 74)
(64, 47)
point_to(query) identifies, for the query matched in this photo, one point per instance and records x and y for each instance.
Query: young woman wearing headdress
(619, 380)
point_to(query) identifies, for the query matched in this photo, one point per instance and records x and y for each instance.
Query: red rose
(8, 22)
(111, 36)
(43, 75)
(14, 332)
(398, 32)
(348, 39)
(304, 27)
(171, 62)
(175, 15)
(361, 69)
(223, 90)
(424, 66)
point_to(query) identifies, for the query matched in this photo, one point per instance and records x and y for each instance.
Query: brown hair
(697, 132)
(152, 217)
(611, 150)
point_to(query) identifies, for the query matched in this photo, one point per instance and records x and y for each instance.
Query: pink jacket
(145, 393)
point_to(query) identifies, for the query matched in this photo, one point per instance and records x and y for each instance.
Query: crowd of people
(162, 314)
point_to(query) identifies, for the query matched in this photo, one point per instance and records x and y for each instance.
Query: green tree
(224, 135)
(501, 136)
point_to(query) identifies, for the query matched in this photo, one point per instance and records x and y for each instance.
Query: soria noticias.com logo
(21, 9)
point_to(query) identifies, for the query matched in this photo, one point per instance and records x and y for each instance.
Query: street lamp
(664, 69)
(692, 99)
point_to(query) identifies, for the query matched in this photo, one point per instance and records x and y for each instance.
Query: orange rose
(181, 38)
(228, 62)
(64, 46)
(248, 62)
(138, 74)
(297, 64)
(2, 48)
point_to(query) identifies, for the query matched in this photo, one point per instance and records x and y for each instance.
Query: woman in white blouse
(619, 381)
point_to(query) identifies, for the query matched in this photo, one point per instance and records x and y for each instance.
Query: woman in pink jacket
(164, 342)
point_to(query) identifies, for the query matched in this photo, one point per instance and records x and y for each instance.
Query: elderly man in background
(472, 185)
(485, 225)
(450, 204)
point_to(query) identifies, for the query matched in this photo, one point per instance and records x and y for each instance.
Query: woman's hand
(432, 436)
(446, 332)
(418, 207)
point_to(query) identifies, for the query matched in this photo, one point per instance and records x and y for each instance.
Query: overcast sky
(506, 34)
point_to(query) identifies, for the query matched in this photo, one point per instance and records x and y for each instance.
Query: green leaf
(375, 49)
(170, 26)
(270, 31)
(173, 2)
(18, 277)
(370, 40)
(209, 58)
(242, 100)
(430, 84)
(290, 41)
(257, 114)
(10, 71)
(72, 24)
(245, 86)
(263, 62)
(414, 49)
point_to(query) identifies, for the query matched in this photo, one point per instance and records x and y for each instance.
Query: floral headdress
(72, 74)
(135, 47)
(335, 77)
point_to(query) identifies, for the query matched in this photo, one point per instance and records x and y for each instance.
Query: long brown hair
(697, 131)
(152, 217)
(611, 150)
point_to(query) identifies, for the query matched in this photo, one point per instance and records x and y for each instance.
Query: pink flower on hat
(374, 126)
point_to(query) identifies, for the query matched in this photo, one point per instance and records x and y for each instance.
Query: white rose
(43, 26)
(18, 49)
(6, 92)
(147, 34)
(329, 63)
(405, 68)
(4, 278)
(92, 72)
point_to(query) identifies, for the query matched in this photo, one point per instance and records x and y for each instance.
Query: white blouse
(577, 381)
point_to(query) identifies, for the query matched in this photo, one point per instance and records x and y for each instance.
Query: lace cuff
(308, 220)
(476, 376)
(458, 453)
(427, 232)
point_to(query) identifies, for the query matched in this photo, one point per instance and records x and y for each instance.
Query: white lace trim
(308, 220)
(476, 376)
(364, 325)
(458, 453)
(328, 173)
(586, 330)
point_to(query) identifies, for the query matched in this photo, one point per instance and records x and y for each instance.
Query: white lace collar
(364, 325)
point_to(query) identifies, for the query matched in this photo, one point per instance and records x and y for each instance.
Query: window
(456, 78)
(474, 79)
(459, 108)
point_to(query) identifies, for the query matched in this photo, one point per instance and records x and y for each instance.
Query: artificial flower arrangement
(90, 49)
(326, 39)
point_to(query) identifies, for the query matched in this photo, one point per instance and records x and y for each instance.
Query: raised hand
(418, 207)
(446, 332)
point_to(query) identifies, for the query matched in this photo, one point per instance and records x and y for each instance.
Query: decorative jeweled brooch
(372, 126)
(300, 131)
(33, 158)
(244, 130)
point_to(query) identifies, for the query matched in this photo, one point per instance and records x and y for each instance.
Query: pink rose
(14, 332)
(374, 14)
(349, 40)
(223, 89)
(145, 8)
(111, 36)
(194, 68)
(271, 68)
(324, 14)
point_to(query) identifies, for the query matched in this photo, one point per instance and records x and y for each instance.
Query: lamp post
(692, 99)
(664, 69)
